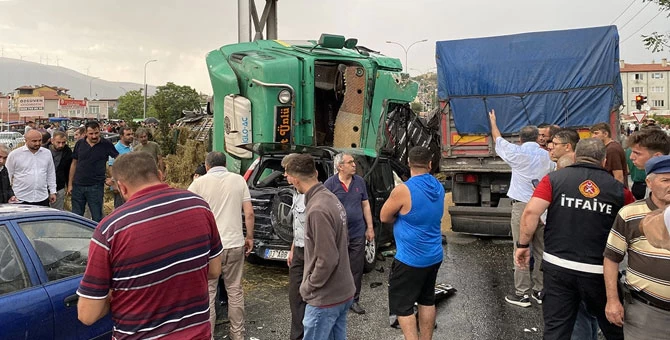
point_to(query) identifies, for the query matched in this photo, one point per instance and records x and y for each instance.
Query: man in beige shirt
(228, 195)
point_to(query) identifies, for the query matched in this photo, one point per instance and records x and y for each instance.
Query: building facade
(650, 80)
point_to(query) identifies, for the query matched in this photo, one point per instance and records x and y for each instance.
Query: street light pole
(406, 50)
(90, 86)
(145, 86)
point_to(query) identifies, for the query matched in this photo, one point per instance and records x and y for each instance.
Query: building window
(633, 103)
(638, 76)
(94, 109)
(658, 103)
(657, 89)
(657, 75)
(637, 89)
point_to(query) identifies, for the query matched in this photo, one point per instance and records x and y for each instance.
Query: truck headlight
(284, 96)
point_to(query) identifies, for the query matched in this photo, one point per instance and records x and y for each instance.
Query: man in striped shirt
(647, 313)
(150, 259)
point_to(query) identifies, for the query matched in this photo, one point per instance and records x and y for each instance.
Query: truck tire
(282, 215)
(370, 256)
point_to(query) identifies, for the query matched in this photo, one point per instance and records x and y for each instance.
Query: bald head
(33, 134)
(33, 140)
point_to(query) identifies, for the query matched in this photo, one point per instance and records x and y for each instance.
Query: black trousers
(357, 263)
(297, 305)
(44, 203)
(639, 190)
(563, 294)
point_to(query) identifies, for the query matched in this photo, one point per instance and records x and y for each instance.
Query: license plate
(272, 254)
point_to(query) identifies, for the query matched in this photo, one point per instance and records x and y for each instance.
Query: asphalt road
(480, 270)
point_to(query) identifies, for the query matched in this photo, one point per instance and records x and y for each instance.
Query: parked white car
(13, 140)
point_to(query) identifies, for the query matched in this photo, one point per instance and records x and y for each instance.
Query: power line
(639, 29)
(624, 11)
(636, 14)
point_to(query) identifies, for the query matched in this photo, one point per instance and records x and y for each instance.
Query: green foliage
(660, 120)
(130, 106)
(170, 100)
(657, 42)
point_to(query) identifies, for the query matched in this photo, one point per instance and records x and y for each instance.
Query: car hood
(279, 149)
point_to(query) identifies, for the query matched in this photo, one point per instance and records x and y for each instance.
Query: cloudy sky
(113, 39)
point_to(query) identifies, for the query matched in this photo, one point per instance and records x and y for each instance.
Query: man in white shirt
(528, 162)
(228, 195)
(296, 262)
(32, 172)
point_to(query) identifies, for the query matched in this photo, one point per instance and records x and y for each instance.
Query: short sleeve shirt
(616, 160)
(153, 255)
(151, 148)
(225, 192)
(351, 198)
(92, 161)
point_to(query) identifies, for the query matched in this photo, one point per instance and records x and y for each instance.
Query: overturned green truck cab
(329, 92)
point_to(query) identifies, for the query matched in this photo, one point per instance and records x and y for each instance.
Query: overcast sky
(113, 39)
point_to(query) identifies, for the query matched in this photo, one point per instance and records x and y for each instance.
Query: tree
(170, 100)
(130, 106)
(657, 42)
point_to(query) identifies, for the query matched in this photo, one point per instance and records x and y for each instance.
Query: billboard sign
(71, 104)
(31, 107)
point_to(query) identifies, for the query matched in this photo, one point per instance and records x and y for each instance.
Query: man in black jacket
(62, 155)
(6, 192)
(582, 201)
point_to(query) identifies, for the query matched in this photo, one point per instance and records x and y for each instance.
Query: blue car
(43, 255)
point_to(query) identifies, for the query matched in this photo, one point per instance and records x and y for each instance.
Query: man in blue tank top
(416, 209)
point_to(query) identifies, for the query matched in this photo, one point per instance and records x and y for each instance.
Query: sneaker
(538, 296)
(518, 300)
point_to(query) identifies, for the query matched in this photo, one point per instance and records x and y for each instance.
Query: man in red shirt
(150, 259)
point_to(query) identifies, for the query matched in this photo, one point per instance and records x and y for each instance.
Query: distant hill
(15, 73)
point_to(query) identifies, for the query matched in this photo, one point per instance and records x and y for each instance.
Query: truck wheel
(281, 214)
(370, 256)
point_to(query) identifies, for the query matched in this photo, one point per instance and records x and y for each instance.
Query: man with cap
(646, 309)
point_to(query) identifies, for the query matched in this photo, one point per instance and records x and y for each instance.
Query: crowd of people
(46, 168)
(202, 240)
(584, 248)
(574, 220)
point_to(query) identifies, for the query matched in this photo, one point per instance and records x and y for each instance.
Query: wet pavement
(479, 268)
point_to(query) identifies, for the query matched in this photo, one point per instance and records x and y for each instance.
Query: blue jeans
(91, 194)
(586, 325)
(326, 323)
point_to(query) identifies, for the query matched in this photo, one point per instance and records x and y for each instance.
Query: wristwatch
(519, 245)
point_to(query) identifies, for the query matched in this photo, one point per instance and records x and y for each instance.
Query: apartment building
(650, 80)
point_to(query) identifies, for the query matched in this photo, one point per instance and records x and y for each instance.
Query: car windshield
(271, 174)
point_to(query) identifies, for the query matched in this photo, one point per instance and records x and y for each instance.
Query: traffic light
(639, 101)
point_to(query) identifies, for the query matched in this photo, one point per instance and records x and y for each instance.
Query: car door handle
(71, 300)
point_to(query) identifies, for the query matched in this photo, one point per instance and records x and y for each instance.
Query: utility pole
(248, 15)
(145, 86)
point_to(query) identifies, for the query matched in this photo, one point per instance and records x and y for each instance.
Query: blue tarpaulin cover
(570, 78)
